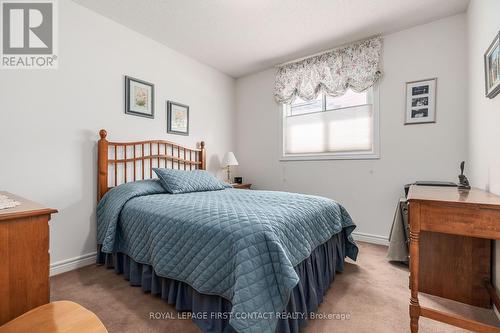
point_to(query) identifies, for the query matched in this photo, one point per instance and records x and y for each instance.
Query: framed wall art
(139, 97)
(492, 68)
(421, 101)
(177, 118)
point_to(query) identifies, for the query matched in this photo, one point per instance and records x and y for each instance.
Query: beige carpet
(373, 292)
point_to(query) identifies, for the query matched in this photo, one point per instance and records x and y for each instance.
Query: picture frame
(139, 97)
(177, 118)
(492, 68)
(421, 101)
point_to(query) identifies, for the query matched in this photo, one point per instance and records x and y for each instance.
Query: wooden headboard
(122, 162)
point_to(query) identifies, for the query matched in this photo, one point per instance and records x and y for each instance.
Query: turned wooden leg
(414, 262)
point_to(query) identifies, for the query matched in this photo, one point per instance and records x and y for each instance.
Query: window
(343, 127)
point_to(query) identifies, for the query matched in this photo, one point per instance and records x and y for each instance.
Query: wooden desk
(446, 210)
(24, 257)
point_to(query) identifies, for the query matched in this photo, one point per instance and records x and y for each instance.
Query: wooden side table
(56, 317)
(241, 186)
(24, 259)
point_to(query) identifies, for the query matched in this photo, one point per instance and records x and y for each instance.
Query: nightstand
(241, 186)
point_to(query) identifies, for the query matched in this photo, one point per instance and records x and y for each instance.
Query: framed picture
(421, 101)
(492, 68)
(139, 97)
(177, 118)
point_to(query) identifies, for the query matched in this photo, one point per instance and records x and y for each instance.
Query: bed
(238, 260)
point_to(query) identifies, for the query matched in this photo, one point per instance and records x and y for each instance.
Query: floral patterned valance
(355, 66)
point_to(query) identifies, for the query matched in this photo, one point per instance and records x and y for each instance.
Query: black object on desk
(463, 181)
(429, 183)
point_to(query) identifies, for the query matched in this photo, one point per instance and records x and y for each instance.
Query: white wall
(49, 119)
(484, 116)
(370, 188)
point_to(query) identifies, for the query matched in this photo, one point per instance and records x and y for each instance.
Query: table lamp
(229, 160)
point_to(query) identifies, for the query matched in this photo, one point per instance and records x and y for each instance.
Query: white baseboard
(496, 312)
(369, 238)
(72, 263)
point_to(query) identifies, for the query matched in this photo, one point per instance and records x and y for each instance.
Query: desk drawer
(466, 220)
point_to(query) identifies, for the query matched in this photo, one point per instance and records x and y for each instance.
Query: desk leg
(414, 262)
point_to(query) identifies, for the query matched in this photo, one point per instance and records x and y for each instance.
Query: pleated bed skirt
(316, 273)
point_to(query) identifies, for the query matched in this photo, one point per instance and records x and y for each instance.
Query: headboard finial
(203, 156)
(102, 164)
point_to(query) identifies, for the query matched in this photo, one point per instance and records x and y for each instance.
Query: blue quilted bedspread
(239, 244)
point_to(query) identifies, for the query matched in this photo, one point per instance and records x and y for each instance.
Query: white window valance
(355, 66)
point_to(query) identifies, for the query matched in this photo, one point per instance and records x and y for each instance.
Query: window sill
(322, 157)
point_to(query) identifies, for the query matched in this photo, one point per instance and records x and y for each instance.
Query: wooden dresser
(450, 251)
(24, 257)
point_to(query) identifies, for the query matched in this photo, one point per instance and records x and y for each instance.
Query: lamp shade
(229, 159)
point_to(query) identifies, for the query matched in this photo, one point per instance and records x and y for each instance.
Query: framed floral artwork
(177, 118)
(139, 98)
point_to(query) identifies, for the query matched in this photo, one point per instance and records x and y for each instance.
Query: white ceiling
(239, 37)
